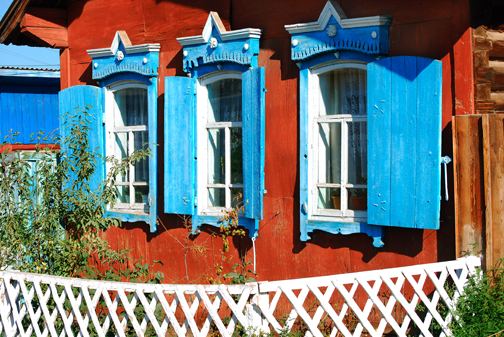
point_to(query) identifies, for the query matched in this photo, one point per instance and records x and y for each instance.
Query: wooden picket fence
(413, 300)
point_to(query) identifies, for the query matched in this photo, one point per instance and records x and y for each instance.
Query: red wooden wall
(431, 28)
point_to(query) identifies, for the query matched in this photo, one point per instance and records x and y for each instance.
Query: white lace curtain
(353, 93)
(343, 92)
(131, 110)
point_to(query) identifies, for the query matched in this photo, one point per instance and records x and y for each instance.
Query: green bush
(479, 311)
(51, 220)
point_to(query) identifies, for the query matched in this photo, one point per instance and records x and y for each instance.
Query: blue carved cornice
(334, 33)
(123, 57)
(216, 46)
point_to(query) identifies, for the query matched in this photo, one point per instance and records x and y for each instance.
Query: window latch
(445, 161)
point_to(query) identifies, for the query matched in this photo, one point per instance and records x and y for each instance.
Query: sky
(21, 56)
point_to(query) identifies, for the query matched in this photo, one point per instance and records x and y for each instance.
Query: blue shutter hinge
(445, 161)
(265, 191)
(304, 208)
(195, 202)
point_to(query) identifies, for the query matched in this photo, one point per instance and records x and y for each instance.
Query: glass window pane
(343, 91)
(329, 153)
(131, 107)
(237, 197)
(329, 198)
(123, 194)
(216, 156)
(121, 145)
(225, 101)
(217, 197)
(358, 199)
(236, 156)
(142, 167)
(357, 153)
(141, 194)
(121, 151)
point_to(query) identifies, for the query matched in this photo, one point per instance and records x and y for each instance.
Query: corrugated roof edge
(29, 72)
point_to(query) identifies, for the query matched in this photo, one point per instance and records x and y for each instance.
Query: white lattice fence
(411, 300)
(374, 302)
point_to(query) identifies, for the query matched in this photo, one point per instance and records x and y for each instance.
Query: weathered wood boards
(479, 185)
(493, 159)
(469, 190)
(48, 26)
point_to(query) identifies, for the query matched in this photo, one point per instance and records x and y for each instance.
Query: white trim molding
(215, 21)
(332, 8)
(122, 36)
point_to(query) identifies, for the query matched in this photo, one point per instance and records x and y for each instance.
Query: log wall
(489, 70)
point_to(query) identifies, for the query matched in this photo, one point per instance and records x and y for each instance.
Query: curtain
(352, 88)
(342, 92)
(131, 110)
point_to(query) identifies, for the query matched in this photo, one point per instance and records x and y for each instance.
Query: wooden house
(332, 119)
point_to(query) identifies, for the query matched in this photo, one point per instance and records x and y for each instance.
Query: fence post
(256, 322)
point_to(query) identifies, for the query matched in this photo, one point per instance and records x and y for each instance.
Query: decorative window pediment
(334, 32)
(122, 57)
(216, 45)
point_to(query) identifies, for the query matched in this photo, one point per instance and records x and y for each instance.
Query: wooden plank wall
(478, 141)
(469, 186)
(479, 182)
(28, 105)
(493, 157)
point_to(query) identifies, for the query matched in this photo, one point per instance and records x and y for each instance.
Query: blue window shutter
(253, 106)
(179, 145)
(304, 152)
(72, 101)
(404, 142)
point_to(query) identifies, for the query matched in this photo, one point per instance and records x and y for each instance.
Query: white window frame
(202, 145)
(314, 213)
(110, 105)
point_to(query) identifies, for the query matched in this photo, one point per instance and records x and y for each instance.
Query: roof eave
(12, 19)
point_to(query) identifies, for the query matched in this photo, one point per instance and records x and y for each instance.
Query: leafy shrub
(52, 221)
(479, 311)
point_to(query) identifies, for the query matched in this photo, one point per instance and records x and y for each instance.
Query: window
(127, 131)
(122, 118)
(219, 122)
(339, 142)
(370, 129)
(220, 144)
(217, 115)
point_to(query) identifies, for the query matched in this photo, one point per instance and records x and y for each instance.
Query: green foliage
(240, 274)
(479, 310)
(52, 220)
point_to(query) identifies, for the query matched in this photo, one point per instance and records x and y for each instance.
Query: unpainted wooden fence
(413, 300)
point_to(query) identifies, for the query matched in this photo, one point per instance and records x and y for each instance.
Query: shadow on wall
(487, 12)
